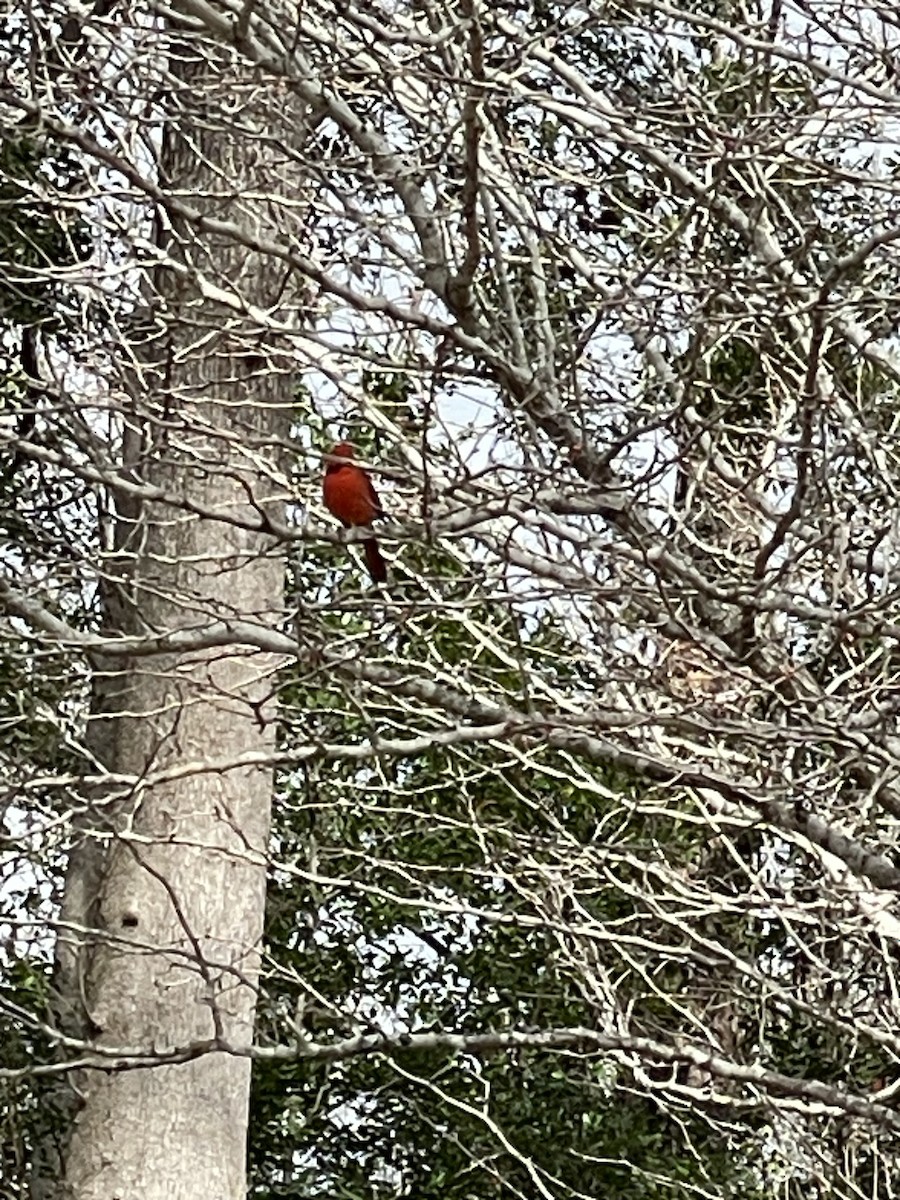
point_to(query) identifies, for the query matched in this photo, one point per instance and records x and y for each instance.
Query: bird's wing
(373, 496)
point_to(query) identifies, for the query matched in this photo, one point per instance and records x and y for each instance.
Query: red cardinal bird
(350, 496)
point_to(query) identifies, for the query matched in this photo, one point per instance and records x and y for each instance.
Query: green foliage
(37, 234)
(25, 1114)
(449, 941)
(42, 698)
(435, 920)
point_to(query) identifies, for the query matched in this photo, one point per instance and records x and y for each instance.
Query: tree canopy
(565, 863)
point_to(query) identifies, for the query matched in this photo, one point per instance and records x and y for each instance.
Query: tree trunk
(171, 956)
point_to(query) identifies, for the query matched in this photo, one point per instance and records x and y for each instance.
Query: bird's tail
(376, 564)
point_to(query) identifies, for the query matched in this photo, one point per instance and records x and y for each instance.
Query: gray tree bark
(168, 881)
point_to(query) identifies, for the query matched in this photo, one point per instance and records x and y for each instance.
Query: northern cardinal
(350, 496)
